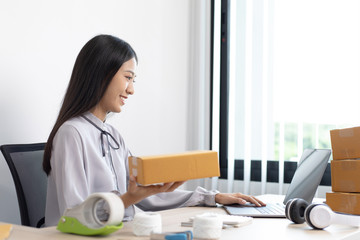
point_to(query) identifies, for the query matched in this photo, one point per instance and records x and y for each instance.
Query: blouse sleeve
(178, 198)
(68, 168)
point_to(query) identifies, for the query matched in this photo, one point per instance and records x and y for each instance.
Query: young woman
(84, 154)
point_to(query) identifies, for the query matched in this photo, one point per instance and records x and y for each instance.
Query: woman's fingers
(239, 198)
(166, 187)
(253, 200)
(174, 186)
(132, 183)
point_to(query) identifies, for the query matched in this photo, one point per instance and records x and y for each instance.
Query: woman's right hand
(137, 193)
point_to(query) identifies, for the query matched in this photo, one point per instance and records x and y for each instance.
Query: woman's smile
(122, 99)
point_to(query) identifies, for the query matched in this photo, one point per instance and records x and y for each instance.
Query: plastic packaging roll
(207, 226)
(145, 223)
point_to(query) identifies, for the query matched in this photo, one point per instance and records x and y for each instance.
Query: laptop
(304, 184)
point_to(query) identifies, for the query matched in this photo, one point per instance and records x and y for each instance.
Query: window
(292, 75)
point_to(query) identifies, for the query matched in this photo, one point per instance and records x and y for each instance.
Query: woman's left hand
(237, 198)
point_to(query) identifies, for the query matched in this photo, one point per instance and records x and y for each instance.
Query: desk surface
(260, 228)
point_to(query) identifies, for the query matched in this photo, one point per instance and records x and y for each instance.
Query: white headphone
(320, 216)
(317, 216)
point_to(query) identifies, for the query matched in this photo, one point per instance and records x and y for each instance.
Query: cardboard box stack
(345, 171)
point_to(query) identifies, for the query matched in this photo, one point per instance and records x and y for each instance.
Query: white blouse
(78, 169)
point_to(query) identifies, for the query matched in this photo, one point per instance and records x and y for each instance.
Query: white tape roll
(145, 223)
(207, 226)
(86, 212)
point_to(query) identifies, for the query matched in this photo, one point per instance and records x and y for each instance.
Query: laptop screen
(308, 174)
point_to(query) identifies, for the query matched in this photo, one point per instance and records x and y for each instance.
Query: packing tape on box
(207, 226)
(145, 223)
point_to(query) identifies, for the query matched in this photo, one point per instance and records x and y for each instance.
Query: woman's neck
(99, 113)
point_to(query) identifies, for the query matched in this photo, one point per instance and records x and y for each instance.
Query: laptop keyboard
(271, 209)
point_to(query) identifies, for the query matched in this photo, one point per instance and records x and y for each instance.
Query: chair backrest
(25, 164)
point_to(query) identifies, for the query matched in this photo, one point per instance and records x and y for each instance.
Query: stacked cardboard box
(345, 171)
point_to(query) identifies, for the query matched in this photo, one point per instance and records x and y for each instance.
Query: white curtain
(294, 65)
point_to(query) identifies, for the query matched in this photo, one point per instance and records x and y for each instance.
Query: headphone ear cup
(287, 208)
(307, 215)
(295, 209)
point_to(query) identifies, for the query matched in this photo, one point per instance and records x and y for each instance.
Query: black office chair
(25, 164)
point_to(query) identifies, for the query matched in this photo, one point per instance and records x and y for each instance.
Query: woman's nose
(130, 88)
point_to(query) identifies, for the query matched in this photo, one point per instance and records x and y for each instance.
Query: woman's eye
(131, 79)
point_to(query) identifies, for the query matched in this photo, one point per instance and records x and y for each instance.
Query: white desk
(261, 228)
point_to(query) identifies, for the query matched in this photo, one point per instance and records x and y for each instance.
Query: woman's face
(120, 87)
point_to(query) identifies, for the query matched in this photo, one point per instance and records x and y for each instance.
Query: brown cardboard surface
(5, 230)
(174, 167)
(344, 202)
(345, 143)
(345, 176)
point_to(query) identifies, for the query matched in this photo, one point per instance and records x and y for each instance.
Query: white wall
(39, 43)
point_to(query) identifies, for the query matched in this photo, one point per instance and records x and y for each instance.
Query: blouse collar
(94, 119)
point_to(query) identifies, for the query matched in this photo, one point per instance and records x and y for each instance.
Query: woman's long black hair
(95, 66)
